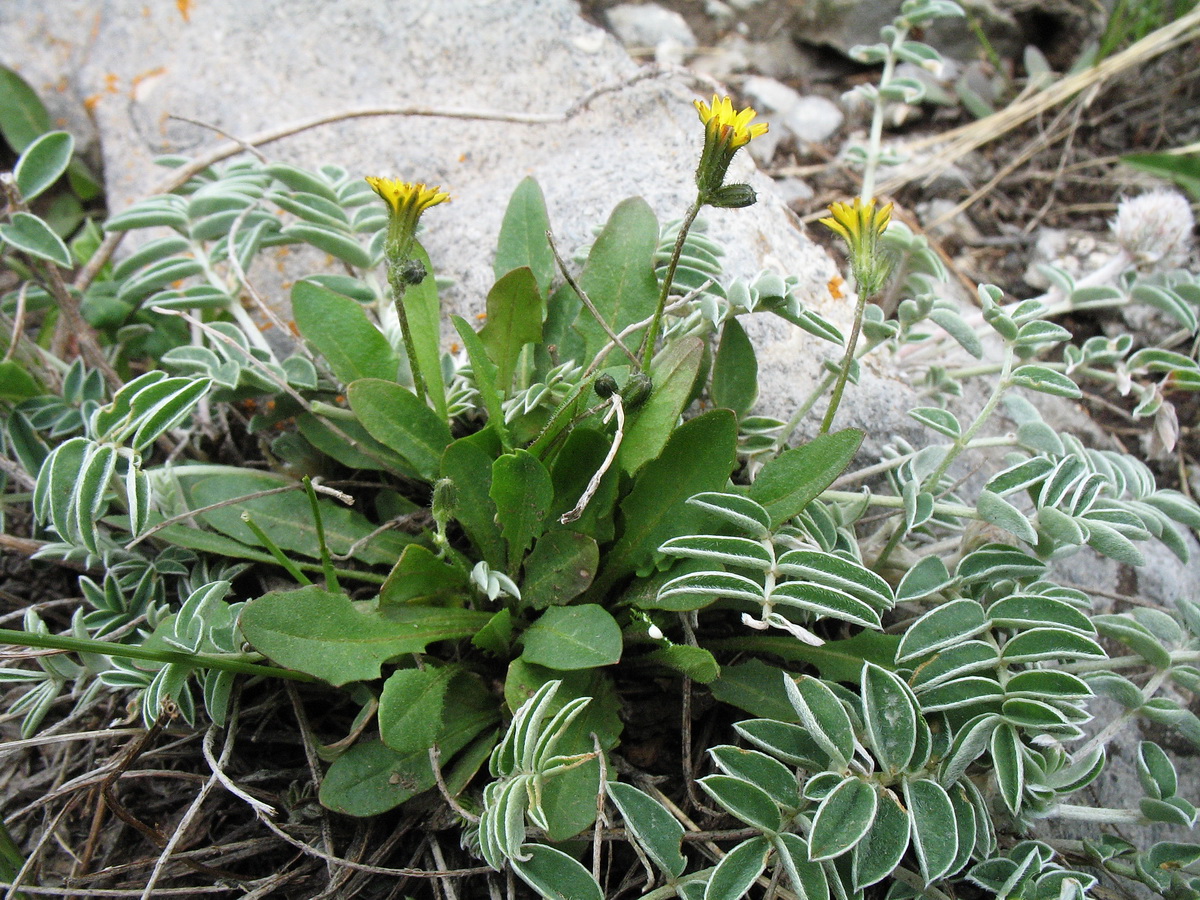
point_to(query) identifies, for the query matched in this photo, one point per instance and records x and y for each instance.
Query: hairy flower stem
(847, 361)
(399, 286)
(651, 338)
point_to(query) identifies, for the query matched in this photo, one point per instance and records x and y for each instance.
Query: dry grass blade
(957, 143)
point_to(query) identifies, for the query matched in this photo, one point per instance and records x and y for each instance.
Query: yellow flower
(725, 131)
(406, 201)
(728, 124)
(861, 225)
(403, 195)
(858, 222)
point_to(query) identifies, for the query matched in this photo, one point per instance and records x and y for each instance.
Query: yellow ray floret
(722, 119)
(404, 195)
(859, 223)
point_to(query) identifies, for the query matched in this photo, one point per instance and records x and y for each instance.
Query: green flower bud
(733, 196)
(637, 389)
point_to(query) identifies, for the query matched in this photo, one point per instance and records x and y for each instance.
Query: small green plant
(477, 554)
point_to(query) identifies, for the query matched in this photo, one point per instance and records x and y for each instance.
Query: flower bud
(605, 386)
(637, 389)
(733, 196)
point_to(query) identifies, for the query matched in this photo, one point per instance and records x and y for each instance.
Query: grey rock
(649, 25)
(814, 119)
(808, 119)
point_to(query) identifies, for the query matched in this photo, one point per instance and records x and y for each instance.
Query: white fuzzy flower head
(1155, 229)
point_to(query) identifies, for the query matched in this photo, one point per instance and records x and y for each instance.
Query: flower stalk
(406, 201)
(726, 131)
(860, 224)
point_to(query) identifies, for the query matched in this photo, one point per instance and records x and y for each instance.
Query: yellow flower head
(403, 195)
(725, 123)
(861, 225)
(406, 201)
(725, 131)
(858, 222)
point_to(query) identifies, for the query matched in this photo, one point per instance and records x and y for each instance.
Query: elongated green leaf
(825, 601)
(940, 420)
(424, 324)
(822, 713)
(1009, 763)
(555, 875)
(327, 636)
(755, 687)
(515, 310)
(1035, 610)
(485, 377)
(333, 241)
(839, 573)
(747, 801)
(995, 509)
(735, 371)
(94, 476)
(55, 495)
(522, 491)
(29, 234)
(655, 829)
(698, 457)
(287, 518)
(582, 455)
(42, 162)
(1041, 644)
(795, 478)
(619, 275)
(739, 510)
(765, 772)
(734, 551)
(699, 589)
(522, 240)
(370, 778)
(737, 872)
(649, 426)
(696, 663)
(941, 627)
(469, 467)
(395, 417)
(573, 637)
(163, 406)
(789, 742)
(1045, 381)
(338, 327)
(843, 819)
(934, 829)
(883, 846)
(1047, 683)
(807, 878)
(955, 661)
(970, 742)
(890, 718)
(23, 116)
(979, 693)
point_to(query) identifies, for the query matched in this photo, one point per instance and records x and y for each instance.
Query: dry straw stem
(958, 142)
